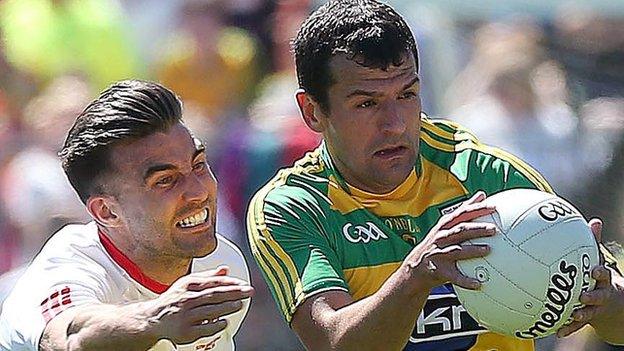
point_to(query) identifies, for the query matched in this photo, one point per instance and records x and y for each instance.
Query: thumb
(222, 270)
(596, 227)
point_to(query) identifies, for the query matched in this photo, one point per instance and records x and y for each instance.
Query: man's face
(167, 194)
(372, 127)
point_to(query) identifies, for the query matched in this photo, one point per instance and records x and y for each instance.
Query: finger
(222, 270)
(570, 328)
(479, 196)
(219, 271)
(596, 227)
(467, 214)
(208, 329)
(461, 252)
(220, 294)
(198, 283)
(212, 312)
(585, 314)
(602, 275)
(457, 278)
(466, 231)
(595, 297)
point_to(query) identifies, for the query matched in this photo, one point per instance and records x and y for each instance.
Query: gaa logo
(555, 209)
(363, 233)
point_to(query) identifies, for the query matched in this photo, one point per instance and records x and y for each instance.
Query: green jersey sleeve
(476, 165)
(494, 170)
(289, 240)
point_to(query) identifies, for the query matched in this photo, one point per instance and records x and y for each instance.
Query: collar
(397, 192)
(130, 267)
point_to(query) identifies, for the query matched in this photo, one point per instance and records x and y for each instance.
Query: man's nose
(196, 189)
(392, 121)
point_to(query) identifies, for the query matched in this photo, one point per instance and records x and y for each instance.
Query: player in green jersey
(358, 240)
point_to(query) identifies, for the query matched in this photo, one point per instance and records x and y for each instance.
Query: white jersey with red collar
(80, 266)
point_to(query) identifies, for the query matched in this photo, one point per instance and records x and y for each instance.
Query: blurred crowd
(547, 86)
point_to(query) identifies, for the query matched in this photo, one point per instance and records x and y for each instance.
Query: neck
(164, 269)
(366, 185)
(354, 181)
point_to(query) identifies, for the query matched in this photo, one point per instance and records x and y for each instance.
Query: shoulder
(74, 246)
(71, 257)
(67, 272)
(299, 187)
(229, 251)
(71, 245)
(479, 166)
(444, 135)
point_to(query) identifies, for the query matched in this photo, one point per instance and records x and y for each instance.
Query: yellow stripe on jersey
(518, 164)
(340, 200)
(435, 186)
(429, 126)
(497, 342)
(261, 239)
(365, 281)
(262, 255)
(438, 144)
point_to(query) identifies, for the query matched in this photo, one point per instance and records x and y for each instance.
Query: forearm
(102, 327)
(382, 321)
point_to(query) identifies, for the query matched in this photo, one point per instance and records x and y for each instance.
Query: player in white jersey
(80, 265)
(149, 272)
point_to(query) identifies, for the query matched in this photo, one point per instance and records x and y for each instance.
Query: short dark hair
(368, 31)
(128, 110)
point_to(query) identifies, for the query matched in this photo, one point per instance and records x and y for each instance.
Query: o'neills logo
(586, 268)
(558, 295)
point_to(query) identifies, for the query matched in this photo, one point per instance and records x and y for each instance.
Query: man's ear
(311, 111)
(104, 211)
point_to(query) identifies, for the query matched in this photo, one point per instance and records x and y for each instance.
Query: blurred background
(542, 79)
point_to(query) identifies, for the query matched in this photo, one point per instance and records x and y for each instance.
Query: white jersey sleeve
(54, 282)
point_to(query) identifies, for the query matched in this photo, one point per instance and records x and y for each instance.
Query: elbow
(332, 342)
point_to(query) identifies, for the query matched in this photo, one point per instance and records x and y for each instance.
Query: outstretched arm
(193, 307)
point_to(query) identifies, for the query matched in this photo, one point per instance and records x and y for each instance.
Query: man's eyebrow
(200, 149)
(158, 168)
(360, 92)
(411, 83)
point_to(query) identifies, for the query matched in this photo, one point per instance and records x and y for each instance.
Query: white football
(539, 263)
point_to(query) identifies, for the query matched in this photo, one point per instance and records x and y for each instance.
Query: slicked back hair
(369, 32)
(128, 110)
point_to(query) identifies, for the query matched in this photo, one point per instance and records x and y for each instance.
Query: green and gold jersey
(311, 232)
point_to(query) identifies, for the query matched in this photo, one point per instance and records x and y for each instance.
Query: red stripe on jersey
(130, 267)
(51, 306)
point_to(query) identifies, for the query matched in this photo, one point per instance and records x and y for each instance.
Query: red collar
(130, 267)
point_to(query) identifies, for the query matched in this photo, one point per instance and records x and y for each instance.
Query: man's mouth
(194, 220)
(391, 152)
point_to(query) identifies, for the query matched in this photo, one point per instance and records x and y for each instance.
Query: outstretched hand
(196, 304)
